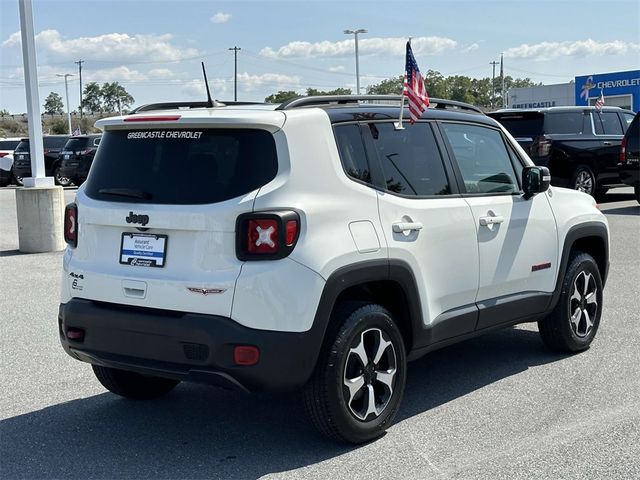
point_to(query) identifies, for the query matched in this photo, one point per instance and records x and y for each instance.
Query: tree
(53, 104)
(59, 127)
(4, 112)
(281, 96)
(115, 98)
(92, 98)
(312, 92)
(390, 86)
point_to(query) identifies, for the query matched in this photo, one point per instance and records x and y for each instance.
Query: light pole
(66, 91)
(355, 33)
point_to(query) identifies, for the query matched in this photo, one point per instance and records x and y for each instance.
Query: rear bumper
(630, 174)
(187, 346)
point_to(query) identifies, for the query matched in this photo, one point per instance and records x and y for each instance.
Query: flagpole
(398, 124)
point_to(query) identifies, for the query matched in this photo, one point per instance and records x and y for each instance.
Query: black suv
(629, 166)
(76, 158)
(579, 145)
(22, 157)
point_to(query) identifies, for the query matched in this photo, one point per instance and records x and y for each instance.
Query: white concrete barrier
(40, 212)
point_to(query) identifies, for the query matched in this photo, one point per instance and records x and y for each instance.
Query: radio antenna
(210, 101)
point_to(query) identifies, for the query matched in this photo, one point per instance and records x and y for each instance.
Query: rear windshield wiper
(126, 192)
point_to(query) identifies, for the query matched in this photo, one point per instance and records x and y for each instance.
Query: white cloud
(337, 68)
(578, 48)
(366, 46)
(196, 89)
(117, 47)
(221, 17)
(161, 73)
(248, 82)
(470, 48)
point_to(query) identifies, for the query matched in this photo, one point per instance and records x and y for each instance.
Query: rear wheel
(573, 324)
(60, 179)
(357, 386)
(133, 385)
(18, 180)
(583, 180)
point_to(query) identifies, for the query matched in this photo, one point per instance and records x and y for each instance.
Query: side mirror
(535, 180)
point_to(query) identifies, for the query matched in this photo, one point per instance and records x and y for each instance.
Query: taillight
(85, 152)
(622, 159)
(71, 224)
(2, 154)
(542, 147)
(266, 235)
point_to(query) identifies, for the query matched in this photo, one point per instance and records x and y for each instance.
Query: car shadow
(202, 432)
(630, 210)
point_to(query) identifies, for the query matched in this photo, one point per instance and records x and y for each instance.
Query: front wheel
(133, 385)
(356, 389)
(573, 324)
(583, 180)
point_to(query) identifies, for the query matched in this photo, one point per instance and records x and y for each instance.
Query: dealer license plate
(143, 249)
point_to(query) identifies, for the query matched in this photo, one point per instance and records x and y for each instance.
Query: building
(620, 89)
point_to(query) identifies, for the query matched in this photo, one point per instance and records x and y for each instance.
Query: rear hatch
(71, 150)
(525, 127)
(156, 217)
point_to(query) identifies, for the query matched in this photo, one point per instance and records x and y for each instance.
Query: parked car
(629, 165)
(7, 147)
(76, 158)
(52, 145)
(315, 245)
(579, 145)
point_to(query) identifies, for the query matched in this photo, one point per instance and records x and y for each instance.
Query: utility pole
(66, 91)
(79, 63)
(504, 94)
(355, 34)
(235, 72)
(493, 84)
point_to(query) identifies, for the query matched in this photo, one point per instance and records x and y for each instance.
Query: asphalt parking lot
(499, 406)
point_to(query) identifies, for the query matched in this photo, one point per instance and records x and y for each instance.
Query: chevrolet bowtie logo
(206, 291)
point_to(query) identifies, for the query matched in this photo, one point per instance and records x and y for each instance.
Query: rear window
(522, 126)
(23, 146)
(564, 123)
(75, 144)
(53, 143)
(187, 166)
(8, 144)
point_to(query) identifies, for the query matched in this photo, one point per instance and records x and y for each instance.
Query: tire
(59, 179)
(18, 180)
(133, 385)
(345, 413)
(573, 324)
(583, 180)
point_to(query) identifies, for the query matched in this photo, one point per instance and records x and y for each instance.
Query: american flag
(414, 88)
(76, 131)
(600, 101)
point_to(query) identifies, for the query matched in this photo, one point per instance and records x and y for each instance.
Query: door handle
(607, 143)
(491, 220)
(401, 227)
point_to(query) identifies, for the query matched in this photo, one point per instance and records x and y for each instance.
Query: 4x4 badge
(206, 291)
(134, 218)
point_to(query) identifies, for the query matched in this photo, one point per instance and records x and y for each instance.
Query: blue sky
(153, 48)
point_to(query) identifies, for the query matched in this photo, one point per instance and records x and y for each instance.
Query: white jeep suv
(316, 244)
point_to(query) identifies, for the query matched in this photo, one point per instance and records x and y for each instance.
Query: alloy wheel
(369, 374)
(583, 304)
(584, 182)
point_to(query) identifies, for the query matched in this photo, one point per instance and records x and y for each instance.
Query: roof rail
(184, 105)
(350, 99)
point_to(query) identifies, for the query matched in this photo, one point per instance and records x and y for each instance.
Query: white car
(316, 245)
(7, 146)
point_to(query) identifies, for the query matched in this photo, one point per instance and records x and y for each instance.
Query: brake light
(86, 151)
(71, 225)
(266, 235)
(622, 159)
(154, 118)
(246, 355)
(542, 147)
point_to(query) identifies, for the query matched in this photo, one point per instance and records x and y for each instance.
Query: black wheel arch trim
(578, 232)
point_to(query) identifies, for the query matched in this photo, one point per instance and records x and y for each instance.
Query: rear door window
(563, 123)
(352, 152)
(187, 166)
(410, 158)
(482, 157)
